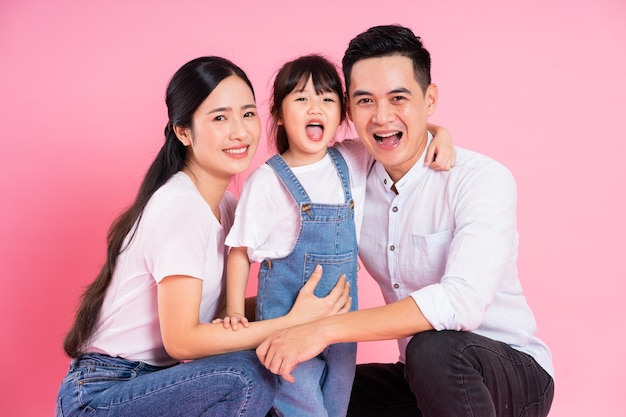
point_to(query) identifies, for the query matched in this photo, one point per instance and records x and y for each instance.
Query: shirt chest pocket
(428, 256)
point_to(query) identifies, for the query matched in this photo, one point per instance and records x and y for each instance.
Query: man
(442, 245)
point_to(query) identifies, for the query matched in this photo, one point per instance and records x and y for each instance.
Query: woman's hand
(309, 307)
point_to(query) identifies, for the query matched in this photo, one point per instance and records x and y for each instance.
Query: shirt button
(385, 181)
(392, 247)
(396, 285)
(394, 209)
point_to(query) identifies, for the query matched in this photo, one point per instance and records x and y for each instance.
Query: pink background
(538, 85)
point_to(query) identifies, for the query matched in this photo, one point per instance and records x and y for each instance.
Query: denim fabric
(450, 373)
(327, 237)
(233, 384)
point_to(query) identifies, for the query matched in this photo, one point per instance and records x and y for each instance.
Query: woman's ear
(183, 134)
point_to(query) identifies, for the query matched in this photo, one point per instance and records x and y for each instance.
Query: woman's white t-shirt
(177, 235)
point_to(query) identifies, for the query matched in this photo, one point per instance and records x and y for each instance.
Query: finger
(287, 375)
(313, 280)
(430, 156)
(340, 289)
(234, 323)
(346, 307)
(245, 322)
(261, 351)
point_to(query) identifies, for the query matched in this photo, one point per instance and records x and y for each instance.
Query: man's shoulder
(472, 160)
(478, 171)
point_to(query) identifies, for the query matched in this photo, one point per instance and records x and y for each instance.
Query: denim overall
(328, 238)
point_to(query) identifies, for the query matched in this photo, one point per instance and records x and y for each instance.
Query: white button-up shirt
(449, 240)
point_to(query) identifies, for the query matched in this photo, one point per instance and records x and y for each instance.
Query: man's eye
(398, 98)
(365, 101)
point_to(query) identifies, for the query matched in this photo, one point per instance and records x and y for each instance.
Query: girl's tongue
(314, 132)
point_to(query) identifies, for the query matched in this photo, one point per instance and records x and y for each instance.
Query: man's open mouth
(388, 139)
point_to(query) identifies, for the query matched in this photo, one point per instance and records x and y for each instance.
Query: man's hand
(282, 351)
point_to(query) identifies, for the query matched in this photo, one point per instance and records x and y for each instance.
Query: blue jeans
(233, 384)
(450, 373)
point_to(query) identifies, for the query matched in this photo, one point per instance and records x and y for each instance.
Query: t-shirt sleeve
(266, 219)
(177, 238)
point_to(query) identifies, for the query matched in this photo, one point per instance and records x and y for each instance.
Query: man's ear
(183, 134)
(348, 113)
(432, 98)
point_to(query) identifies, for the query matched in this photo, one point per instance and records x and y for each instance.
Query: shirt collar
(415, 174)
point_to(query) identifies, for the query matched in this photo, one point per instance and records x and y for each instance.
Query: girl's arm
(184, 337)
(440, 154)
(238, 270)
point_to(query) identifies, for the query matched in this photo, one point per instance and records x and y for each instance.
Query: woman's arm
(440, 154)
(184, 337)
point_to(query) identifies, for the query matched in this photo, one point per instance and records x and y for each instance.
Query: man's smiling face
(390, 111)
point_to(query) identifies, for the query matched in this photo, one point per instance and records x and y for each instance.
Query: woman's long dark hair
(187, 89)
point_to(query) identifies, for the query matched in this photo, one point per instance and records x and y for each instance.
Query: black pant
(451, 373)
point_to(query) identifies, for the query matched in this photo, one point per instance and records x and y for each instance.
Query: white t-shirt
(177, 235)
(267, 220)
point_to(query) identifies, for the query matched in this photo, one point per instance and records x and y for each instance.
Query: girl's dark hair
(187, 89)
(294, 74)
(379, 41)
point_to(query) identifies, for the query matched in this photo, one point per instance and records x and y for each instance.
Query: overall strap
(289, 180)
(342, 170)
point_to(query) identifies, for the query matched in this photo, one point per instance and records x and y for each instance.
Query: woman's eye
(220, 118)
(249, 114)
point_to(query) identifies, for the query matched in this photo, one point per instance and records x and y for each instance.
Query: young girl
(296, 212)
(151, 305)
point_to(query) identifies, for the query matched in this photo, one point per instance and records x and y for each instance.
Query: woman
(143, 342)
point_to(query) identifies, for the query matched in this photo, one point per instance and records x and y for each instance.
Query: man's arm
(283, 350)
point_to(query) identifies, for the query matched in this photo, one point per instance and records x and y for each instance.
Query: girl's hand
(233, 321)
(309, 307)
(440, 155)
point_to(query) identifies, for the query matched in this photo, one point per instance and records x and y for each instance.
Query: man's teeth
(387, 137)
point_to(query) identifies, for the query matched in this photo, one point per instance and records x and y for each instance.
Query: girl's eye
(329, 99)
(301, 99)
